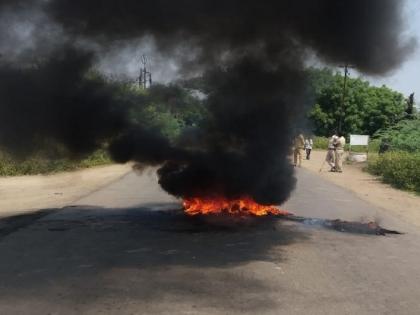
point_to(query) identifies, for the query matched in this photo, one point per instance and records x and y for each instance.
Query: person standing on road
(340, 143)
(330, 158)
(308, 147)
(298, 146)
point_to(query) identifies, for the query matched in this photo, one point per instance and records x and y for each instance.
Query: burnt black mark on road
(12, 224)
(151, 235)
(353, 227)
(92, 253)
(144, 254)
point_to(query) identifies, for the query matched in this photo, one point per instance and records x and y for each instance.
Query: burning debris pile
(242, 206)
(252, 55)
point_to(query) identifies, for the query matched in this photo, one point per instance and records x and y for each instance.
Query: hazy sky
(407, 78)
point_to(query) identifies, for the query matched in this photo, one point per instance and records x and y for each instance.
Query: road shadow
(90, 254)
(13, 223)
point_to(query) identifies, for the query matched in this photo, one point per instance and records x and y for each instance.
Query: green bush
(374, 145)
(42, 165)
(404, 136)
(320, 143)
(400, 169)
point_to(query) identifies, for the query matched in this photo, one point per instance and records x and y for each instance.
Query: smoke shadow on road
(83, 255)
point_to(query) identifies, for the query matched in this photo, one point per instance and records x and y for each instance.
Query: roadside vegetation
(10, 166)
(400, 165)
(387, 116)
(403, 136)
(401, 169)
(167, 108)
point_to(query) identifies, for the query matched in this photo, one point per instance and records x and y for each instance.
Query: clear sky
(407, 78)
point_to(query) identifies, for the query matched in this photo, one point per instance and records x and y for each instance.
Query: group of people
(335, 153)
(334, 158)
(301, 144)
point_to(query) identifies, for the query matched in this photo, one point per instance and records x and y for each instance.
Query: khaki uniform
(298, 145)
(339, 152)
(330, 158)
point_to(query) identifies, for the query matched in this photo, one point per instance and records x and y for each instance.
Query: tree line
(366, 109)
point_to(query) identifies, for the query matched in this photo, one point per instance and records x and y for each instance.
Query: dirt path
(27, 193)
(404, 205)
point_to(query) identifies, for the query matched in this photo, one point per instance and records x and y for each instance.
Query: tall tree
(366, 108)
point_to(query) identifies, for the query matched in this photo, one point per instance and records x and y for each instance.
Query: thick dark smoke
(363, 32)
(252, 53)
(55, 101)
(61, 102)
(243, 148)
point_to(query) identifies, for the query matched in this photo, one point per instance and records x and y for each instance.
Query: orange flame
(219, 205)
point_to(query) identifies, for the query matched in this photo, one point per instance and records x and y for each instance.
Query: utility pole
(343, 97)
(145, 76)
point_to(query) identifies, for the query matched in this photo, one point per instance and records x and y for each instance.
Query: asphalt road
(127, 249)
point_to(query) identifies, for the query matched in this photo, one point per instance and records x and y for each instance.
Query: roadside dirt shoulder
(27, 193)
(404, 205)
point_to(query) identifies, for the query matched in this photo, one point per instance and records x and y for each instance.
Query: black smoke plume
(252, 54)
(54, 101)
(243, 145)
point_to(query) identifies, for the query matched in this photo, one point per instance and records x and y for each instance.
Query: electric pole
(145, 76)
(343, 97)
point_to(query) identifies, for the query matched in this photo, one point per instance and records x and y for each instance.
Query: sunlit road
(122, 250)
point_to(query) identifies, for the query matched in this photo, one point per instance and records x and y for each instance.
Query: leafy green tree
(179, 101)
(366, 108)
(319, 79)
(167, 108)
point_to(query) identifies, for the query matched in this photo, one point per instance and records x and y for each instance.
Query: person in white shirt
(308, 147)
